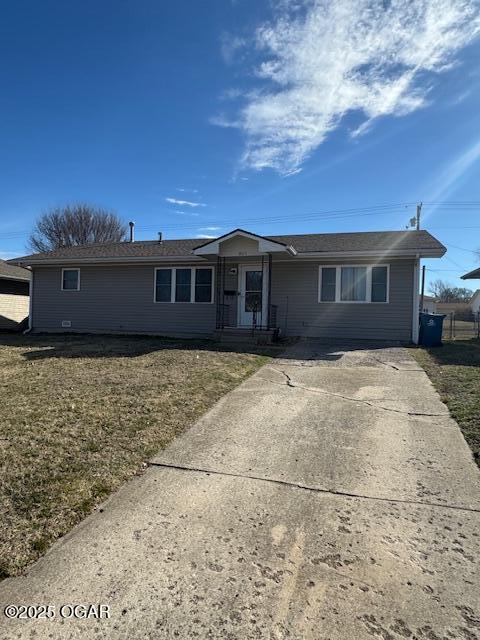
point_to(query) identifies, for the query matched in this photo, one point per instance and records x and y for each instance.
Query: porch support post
(269, 291)
(217, 297)
(223, 290)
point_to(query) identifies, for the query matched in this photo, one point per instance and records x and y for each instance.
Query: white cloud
(186, 203)
(461, 98)
(210, 228)
(185, 190)
(187, 213)
(230, 46)
(206, 236)
(324, 59)
(231, 94)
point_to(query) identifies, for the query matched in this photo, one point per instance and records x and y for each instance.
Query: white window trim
(338, 275)
(78, 279)
(174, 282)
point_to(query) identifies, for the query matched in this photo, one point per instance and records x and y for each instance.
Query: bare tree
(445, 292)
(76, 225)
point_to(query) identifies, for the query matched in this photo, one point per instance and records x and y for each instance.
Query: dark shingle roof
(472, 275)
(13, 273)
(304, 243)
(361, 241)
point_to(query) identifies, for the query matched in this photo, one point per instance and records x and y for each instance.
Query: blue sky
(282, 117)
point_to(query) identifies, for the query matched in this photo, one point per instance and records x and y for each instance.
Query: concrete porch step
(245, 335)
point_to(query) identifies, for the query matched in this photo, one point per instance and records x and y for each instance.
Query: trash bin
(431, 326)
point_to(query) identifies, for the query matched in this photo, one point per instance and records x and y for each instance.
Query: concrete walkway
(329, 496)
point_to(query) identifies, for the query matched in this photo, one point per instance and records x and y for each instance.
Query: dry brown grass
(81, 414)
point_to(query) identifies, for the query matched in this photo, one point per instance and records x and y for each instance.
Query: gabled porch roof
(253, 245)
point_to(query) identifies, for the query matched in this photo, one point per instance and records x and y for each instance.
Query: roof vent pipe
(132, 231)
(159, 237)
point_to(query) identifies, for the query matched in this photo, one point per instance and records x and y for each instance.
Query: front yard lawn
(81, 414)
(454, 369)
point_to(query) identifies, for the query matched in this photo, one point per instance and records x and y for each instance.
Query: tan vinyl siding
(115, 298)
(13, 310)
(14, 302)
(295, 292)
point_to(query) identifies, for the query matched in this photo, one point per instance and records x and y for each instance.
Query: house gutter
(30, 306)
(15, 278)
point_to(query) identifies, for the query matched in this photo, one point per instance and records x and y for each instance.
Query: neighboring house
(336, 285)
(457, 308)
(475, 301)
(14, 295)
(429, 304)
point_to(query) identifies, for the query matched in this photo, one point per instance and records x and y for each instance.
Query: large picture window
(354, 283)
(184, 284)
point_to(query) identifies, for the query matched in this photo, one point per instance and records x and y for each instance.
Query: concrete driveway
(329, 496)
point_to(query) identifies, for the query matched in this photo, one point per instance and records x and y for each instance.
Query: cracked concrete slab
(345, 429)
(380, 389)
(325, 499)
(185, 554)
(340, 355)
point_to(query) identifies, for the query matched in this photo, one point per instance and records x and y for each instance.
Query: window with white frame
(184, 284)
(70, 279)
(354, 283)
(203, 285)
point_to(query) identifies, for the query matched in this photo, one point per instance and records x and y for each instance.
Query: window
(329, 276)
(70, 279)
(184, 284)
(163, 285)
(354, 283)
(379, 284)
(203, 285)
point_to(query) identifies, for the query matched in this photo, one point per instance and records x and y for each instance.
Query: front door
(252, 296)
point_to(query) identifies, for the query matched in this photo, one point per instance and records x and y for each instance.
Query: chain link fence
(461, 326)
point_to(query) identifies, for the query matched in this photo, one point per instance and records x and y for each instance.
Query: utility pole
(419, 213)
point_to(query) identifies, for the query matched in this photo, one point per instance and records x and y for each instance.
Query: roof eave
(384, 253)
(471, 275)
(410, 253)
(109, 260)
(17, 278)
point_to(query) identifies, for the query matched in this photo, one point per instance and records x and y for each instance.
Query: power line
(462, 249)
(332, 214)
(393, 209)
